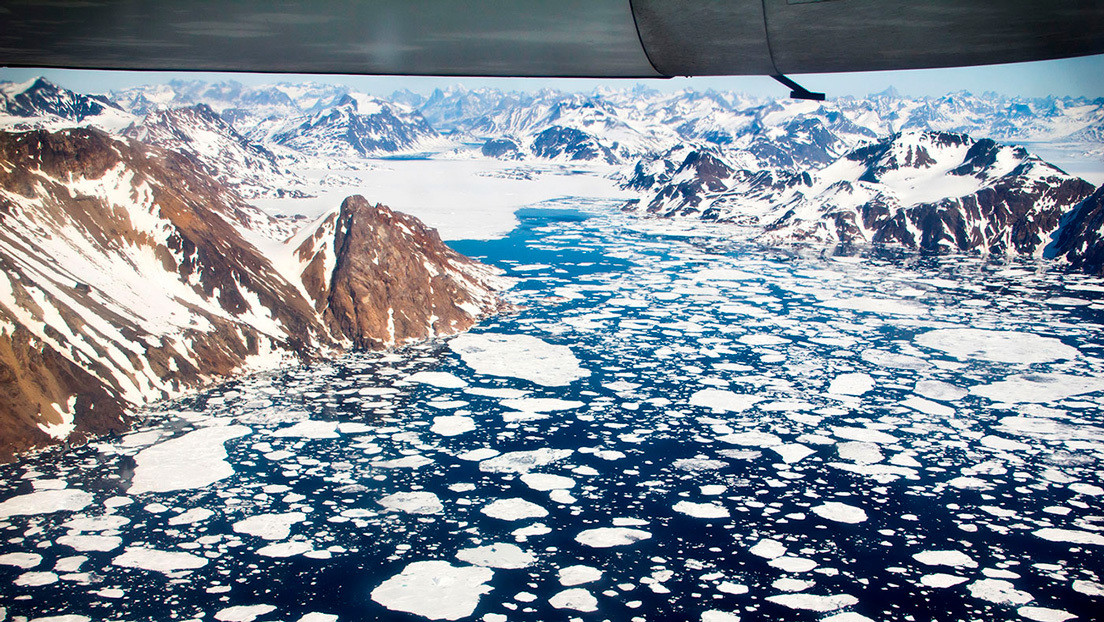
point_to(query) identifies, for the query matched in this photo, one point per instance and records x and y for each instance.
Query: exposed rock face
(41, 97)
(356, 126)
(933, 191)
(128, 276)
(1080, 240)
(391, 279)
(571, 144)
(500, 148)
(197, 131)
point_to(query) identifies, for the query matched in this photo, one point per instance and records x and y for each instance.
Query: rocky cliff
(131, 275)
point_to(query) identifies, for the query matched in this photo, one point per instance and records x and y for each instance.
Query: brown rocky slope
(130, 275)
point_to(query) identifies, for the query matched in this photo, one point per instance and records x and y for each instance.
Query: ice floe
(518, 356)
(999, 346)
(418, 502)
(192, 461)
(435, 589)
(505, 556)
(606, 537)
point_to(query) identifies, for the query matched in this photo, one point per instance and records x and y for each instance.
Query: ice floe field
(677, 426)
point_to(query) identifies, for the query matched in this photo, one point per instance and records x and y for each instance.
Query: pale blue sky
(1082, 76)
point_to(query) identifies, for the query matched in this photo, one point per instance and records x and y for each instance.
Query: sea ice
(1071, 536)
(957, 559)
(195, 460)
(274, 526)
(440, 379)
(701, 510)
(606, 537)
(768, 549)
(518, 356)
(45, 502)
(419, 502)
(578, 575)
(999, 346)
(26, 561)
(1044, 614)
(813, 602)
(545, 482)
(243, 613)
(513, 509)
(158, 561)
(523, 461)
(576, 598)
(851, 384)
(998, 591)
(506, 556)
(452, 425)
(941, 580)
(723, 400)
(435, 589)
(840, 512)
(1038, 388)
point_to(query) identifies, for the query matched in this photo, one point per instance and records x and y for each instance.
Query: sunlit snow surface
(732, 433)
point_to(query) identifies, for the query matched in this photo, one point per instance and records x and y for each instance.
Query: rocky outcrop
(1080, 239)
(201, 134)
(129, 276)
(381, 278)
(356, 126)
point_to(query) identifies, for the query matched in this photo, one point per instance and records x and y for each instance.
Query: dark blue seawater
(892, 436)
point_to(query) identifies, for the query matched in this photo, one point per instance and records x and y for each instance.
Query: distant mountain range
(136, 266)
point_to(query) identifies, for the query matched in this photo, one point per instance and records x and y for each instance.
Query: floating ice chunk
(91, 543)
(318, 617)
(309, 429)
(1088, 588)
(545, 482)
(158, 561)
(712, 490)
(419, 502)
(1082, 488)
(35, 579)
(701, 510)
(859, 451)
(941, 580)
(792, 585)
(792, 453)
(999, 346)
(478, 455)
(513, 509)
(522, 534)
(576, 598)
(191, 517)
(813, 602)
(26, 561)
(578, 575)
(840, 512)
(722, 400)
(452, 425)
(435, 589)
(728, 587)
(722, 274)
(414, 461)
(1071, 536)
(864, 434)
(714, 615)
(506, 556)
(499, 392)
(1004, 444)
(243, 613)
(96, 523)
(45, 502)
(998, 591)
(751, 439)
(967, 482)
(928, 407)
(851, 384)
(270, 526)
(285, 549)
(941, 391)
(846, 616)
(768, 549)
(956, 559)
(72, 617)
(518, 356)
(523, 461)
(195, 460)
(441, 379)
(541, 404)
(881, 358)
(606, 537)
(866, 304)
(1044, 614)
(1037, 388)
(787, 563)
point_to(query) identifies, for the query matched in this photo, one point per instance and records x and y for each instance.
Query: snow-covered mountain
(40, 104)
(131, 275)
(234, 161)
(356, 126)
(917, 189)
